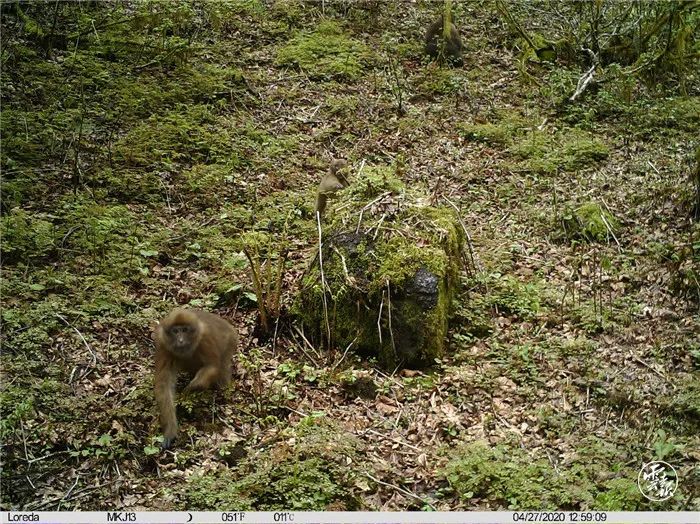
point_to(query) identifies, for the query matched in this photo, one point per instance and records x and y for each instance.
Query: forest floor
(135, 157)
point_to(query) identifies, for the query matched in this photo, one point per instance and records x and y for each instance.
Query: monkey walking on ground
(331, 182)
(195, 341)
(452, 50)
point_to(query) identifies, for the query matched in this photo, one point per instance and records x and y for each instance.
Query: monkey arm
(205, 378)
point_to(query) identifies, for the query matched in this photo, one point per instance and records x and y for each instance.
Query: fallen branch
(587, 77)
(400, 490)
(583, 83)
(94, 356)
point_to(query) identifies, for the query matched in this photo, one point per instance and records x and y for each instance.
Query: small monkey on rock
(452, 50)
(331, 182)
(195, 341)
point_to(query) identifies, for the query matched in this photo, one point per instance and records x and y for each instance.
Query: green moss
(416, 245)
(491, 134)
(685, 400)
(303, 472)
(374, 181)
(326, 52)
(567, 150)
(400, 259)
(590, 222)
(187, 134)
(202, 178)
(145, 95)
(435, 81)
(504, 474)
(618, 495)
(128, 185)
(26, 236)
(520, 479)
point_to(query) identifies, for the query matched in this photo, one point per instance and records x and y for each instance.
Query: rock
(389, 292)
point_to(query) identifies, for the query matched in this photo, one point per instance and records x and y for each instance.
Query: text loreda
(23, 517)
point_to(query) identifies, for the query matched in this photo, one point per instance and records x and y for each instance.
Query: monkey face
(182, 337)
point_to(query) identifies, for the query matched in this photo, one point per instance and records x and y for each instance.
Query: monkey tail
(320, 204)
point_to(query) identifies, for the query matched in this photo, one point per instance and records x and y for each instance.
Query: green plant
(514, 297)
(267, 266)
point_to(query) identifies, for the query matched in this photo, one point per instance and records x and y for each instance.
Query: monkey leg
(165, 398)
(226, 369)
(205, 378)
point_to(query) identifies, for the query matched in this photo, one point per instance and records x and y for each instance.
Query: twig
(262, 308)
(300, 413)
(400, 490)
(94, 356)
(391, 331)
(345, 352)
(281, 261)
(464, 228)
(69, 233)
(379, 318)
(167, 195)
(350, 280)
(583, 83)
(389, 377)
(323, 277)
(310, 346)
(30, 482)
(607, 225)
(398, 441)
(77, 478)
(77, 494)
(378, 226)
(653, 167)
(361, 168)
(161, 59)
(362, 211)
(24, 441)
(637, 359)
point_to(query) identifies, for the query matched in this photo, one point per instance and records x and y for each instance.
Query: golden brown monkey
(195, 341)
(452, 51)
(331, 182)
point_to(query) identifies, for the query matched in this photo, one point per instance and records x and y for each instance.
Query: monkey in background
(331, 182)
(452, 51)
(195, 341)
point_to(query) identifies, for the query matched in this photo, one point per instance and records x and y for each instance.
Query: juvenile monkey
(452, 51)
(331, 182)
(195, 341)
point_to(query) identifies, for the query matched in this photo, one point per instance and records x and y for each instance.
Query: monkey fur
(331, 182)
(452, 51)
(194, 341)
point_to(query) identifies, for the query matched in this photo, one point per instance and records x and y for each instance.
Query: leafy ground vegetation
(147, 147)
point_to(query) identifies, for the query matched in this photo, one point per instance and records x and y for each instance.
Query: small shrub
(516, 298)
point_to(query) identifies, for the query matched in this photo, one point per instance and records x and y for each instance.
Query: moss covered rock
(390, 263)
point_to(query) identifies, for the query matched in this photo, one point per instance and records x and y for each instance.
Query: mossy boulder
(390, 264)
